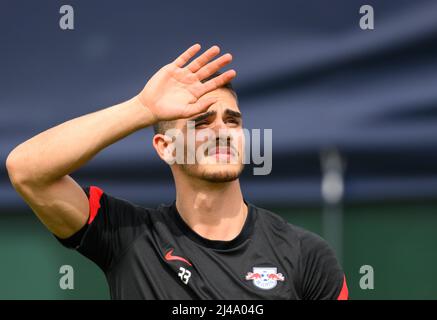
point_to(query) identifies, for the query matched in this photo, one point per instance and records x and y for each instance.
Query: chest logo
(265, 278)
(170, 257)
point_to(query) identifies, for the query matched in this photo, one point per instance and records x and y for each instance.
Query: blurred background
(353, 113)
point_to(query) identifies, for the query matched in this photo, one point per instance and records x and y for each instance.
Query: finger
(214, 66)
(218, 81)
(187, 55)
(200, 106)
(203, 59)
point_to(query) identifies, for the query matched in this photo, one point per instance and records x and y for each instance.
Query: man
(208, 244)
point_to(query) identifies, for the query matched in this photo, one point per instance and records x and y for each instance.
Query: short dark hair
(163, 126)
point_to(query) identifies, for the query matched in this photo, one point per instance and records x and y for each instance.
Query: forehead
(225, 100)
(223, 95)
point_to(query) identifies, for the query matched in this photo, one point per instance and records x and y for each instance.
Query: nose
(220, 124)
(221, 131)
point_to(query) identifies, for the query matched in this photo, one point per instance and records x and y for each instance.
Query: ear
(162, 145)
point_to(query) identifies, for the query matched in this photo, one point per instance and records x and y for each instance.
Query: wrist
(146, 117)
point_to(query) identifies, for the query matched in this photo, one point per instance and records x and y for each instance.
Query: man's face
(219, 140)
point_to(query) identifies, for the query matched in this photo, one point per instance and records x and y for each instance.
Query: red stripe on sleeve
(94, 201)
(344, 293)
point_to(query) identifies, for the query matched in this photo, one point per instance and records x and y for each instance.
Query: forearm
(64, 148)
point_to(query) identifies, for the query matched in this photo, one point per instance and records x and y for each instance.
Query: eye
(199, 124)
(233, 121)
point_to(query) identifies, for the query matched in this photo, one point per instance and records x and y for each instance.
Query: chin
(220, 175)
(216, 173)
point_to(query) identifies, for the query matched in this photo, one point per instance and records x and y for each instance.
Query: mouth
(222, 152)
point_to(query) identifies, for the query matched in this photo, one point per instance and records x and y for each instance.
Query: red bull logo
(253, 276)
(265, 277)
(276, 276)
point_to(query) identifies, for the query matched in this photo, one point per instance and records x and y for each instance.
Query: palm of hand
(174, 91)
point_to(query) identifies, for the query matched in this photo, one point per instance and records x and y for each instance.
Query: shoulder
(116, 209)
(273, 222)
(269, 219)
(306, 242)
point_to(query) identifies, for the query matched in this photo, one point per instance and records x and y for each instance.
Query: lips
(222, 150)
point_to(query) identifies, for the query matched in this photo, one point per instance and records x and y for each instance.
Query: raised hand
(174, 91)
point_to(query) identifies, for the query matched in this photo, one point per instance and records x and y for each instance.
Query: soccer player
(210, 243)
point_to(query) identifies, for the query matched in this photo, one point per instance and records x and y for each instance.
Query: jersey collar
(244, 234)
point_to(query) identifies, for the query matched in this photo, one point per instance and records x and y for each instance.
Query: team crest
(265, 277)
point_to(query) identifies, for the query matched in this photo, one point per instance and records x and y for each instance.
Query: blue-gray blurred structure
(305, 69)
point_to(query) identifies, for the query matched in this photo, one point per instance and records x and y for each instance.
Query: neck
(215, 211)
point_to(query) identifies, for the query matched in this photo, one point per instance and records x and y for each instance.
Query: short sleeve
(113, 224)
(321, 274)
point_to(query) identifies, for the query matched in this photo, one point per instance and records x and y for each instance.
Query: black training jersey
(153, 254)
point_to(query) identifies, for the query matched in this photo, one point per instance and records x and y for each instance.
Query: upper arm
(62, 206)
(113, 225)
(322, 276)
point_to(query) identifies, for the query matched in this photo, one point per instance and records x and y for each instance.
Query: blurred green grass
(397, 239)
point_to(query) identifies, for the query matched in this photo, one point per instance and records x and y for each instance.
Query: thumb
(200, 106)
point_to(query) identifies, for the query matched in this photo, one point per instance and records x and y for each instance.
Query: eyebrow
(232, 113)
(208, 114)
(204, 116)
